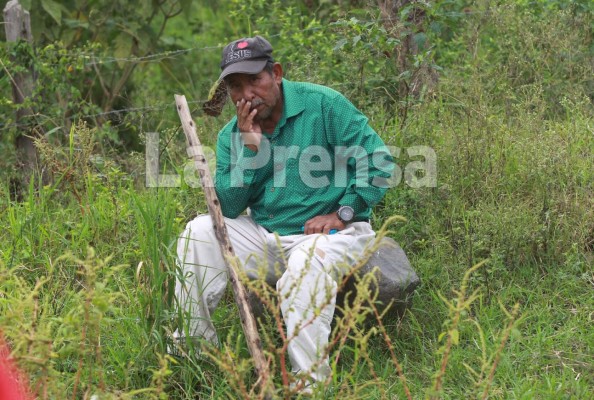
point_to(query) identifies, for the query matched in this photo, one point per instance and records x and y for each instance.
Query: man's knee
(199, 226)
(302, 268)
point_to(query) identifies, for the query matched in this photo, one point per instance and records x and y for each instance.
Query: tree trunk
(407, 49)
(17, 24)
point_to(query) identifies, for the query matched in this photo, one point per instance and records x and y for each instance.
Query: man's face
(262, 90)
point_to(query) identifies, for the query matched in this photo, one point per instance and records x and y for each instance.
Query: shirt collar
(293, 102)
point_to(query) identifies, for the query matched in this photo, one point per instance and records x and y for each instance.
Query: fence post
(17, 24)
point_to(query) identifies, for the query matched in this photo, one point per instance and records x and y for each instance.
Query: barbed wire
(93, 59)
(157, 57)
(156, 107)
(96, 59)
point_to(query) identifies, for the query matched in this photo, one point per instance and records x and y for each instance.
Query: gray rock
(396, 282)
(396, 279)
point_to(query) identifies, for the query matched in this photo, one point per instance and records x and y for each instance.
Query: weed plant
(504, 244)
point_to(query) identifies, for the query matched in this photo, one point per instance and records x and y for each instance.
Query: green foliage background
(86, 263)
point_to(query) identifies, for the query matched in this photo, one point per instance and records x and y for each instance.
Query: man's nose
(248, 93)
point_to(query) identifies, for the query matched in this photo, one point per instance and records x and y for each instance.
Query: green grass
(87, 263)
(95, 322)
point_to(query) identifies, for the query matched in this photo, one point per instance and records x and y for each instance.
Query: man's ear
(277, 72)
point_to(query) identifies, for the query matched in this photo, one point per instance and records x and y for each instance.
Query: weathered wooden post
(248, 322)
(17, 25)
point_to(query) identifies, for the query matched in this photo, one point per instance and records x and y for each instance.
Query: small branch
(101, 82)
(120, 84)
(392, 354)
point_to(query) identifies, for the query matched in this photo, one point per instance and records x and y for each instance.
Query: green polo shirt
(321, 155)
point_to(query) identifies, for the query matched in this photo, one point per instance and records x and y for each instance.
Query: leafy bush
(510, 122)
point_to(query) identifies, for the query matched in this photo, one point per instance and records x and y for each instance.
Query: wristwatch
(345, 214)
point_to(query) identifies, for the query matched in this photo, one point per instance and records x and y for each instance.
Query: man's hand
(323, 224)
(250, 131)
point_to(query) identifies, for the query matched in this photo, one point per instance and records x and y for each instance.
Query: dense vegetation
(504, 244)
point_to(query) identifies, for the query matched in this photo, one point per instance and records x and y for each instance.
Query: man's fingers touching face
(244, 108)
(245, 116)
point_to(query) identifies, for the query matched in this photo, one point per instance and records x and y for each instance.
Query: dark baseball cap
(246, 56)
(243, 56)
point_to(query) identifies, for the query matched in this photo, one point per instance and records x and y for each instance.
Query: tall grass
(504, 247)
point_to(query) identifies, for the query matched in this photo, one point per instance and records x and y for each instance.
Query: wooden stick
(248, 322)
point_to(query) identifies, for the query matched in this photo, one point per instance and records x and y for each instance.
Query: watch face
(346, 213)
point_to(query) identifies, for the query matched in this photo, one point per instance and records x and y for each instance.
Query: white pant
(307, 287)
